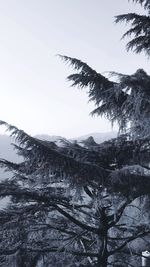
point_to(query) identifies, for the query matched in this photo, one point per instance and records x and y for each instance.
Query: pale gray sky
(34, 93)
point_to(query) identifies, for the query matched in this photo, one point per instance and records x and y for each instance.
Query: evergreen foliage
(140, 28)
(66, 217)
(71, 205)
(125, 102)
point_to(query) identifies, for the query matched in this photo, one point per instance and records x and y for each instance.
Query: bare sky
(34, 94)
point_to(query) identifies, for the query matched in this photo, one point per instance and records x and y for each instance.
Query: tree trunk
(103, 235)
(102, 262)
(103, 255)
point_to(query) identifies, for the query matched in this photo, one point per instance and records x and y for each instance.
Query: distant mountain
(98, 137)
(7, 151)
(51, 138)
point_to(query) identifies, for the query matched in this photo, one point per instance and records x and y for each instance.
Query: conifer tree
(69, 204)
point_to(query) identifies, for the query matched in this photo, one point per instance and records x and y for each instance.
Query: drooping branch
(76, 221)
(139, 29)
(7, 252)
(118, 101)
(132, 238)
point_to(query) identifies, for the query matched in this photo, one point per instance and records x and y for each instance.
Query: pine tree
(69, 204)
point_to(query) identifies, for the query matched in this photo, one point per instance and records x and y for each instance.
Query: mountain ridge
(7, 151)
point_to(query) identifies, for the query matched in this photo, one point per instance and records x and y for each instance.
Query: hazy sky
(34, 93)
